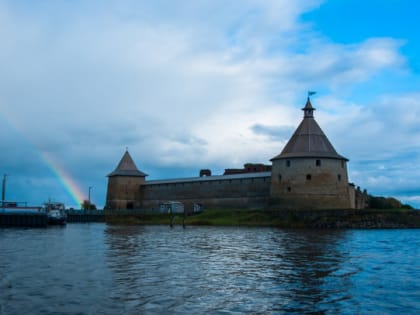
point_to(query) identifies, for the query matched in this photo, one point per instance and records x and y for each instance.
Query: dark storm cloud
(276, 133)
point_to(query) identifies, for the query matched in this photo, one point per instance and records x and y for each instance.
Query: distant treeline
(386, 203)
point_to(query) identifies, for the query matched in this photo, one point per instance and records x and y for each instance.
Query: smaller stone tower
(124, 185)
(309, 173)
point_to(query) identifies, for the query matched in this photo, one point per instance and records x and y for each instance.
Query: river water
(111, 269)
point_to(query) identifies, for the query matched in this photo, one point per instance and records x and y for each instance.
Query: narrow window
(289, 189)
(339, 177)
(308, 177)
(288, 163)
(318, 163)
(279, 177)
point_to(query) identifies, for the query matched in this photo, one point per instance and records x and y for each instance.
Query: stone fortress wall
(243, 191)
(123, 192)
(311, 183)
(307, 174)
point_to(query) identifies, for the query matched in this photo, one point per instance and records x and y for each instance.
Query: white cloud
(380, 138)
(184, 83)
(335, 65)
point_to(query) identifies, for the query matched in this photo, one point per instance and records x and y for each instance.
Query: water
(105, 269)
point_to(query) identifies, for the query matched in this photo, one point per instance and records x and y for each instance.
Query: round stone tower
(124, 185)
(309, 173)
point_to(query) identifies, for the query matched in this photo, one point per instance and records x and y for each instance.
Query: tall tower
(309, 173)
(124, 185)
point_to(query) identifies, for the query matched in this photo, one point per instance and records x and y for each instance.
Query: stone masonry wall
(310, 183)
(244, 193)
(123, 192)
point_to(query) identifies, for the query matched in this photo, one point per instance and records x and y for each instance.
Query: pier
(23, 220)
(74, 216)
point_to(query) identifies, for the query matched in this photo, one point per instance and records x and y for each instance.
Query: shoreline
(311, 219)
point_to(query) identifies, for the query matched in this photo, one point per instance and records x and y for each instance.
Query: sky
(185, 85)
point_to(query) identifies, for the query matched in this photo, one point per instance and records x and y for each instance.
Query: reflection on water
(97, 268)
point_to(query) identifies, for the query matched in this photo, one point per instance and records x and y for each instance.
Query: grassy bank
(369, 218)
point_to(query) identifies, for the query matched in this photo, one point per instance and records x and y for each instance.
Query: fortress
(307, 174)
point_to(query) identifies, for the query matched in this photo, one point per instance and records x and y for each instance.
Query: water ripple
(106, 269)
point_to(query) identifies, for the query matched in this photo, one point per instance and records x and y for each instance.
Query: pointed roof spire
(127, 167)
(309, 140)
(308, 109)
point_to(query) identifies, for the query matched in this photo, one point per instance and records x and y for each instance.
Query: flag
(311, 93)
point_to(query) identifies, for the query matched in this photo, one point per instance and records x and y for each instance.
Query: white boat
(56, 213)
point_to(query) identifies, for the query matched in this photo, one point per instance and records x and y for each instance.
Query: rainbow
(65, 179)
(59, 172)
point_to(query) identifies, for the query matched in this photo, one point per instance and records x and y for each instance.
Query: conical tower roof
(126, 167)
(309, 140)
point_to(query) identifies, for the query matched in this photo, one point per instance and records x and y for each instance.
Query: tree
(86, 205)
(386, 203)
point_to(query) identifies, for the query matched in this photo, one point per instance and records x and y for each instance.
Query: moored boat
(56, 213)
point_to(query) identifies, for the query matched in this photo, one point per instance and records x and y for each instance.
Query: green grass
(234, 217)
(137, 219)
(280, 218)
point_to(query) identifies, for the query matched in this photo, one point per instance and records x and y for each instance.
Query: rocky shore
(354, 219)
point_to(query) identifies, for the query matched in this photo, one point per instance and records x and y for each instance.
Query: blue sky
(212, 84)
